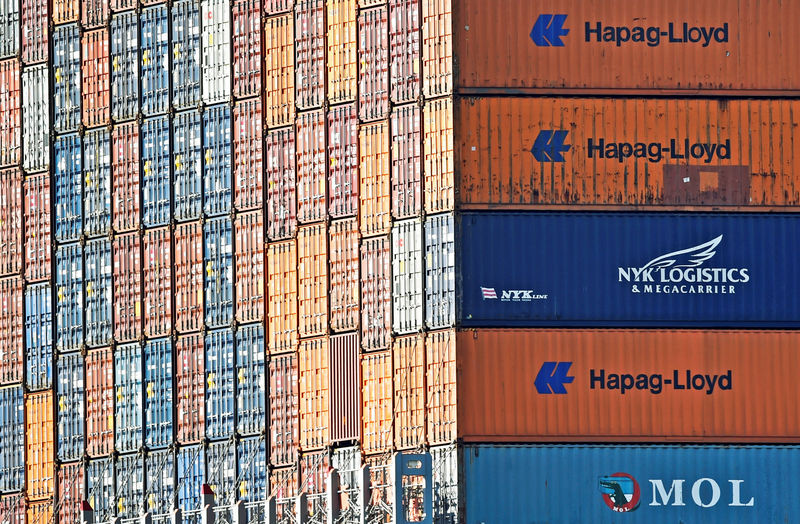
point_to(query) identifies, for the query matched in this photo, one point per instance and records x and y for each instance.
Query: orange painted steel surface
(40, 512)
(39, 446)
(376, 402)
(743, 385)
(438, 155)
(312, 280)
(408, 355)
(314, 393)
(65, 11)
(437, 47)
(342, 51)
(282, 296)
(343, 261)
(250, 285)
(374, 208)
(628, 152)
(440, 384)
(279, 70)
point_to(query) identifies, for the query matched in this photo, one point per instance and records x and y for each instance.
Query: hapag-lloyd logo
(682, 272)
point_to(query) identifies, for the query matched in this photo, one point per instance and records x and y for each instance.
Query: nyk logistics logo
(621, 492)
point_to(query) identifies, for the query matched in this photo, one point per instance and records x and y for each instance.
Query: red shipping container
(35, 32)
(99, 402)
(284, 484)
(36, 196)
(190, 388)
(343, 161)
(312, 280)
(248, 172)
(374, 210)
(342, 50)
(376, 293)
(96, 79)
(94, 13)
(70, 492)
(344, 275)
(10, 221)
(345, 387)
(406, 161)
(404, 50)
(373, 56)
(281, 185)
(309, 43)
(249, 231)
(157, 277)
(40, 512)
(246, 46)
(408, 354)
(282, 297)
(437, 48)
(65, 11)
(273, 7)
(11, 330)
(125, 177)
(127, 287)
(284, 403)
(377, 406)
(311, 171)
(440, 358)
(39, 446)
(10, 112)
(279, 70)
(188, 277)
(437, 151)
(314, 393)
(12, 508)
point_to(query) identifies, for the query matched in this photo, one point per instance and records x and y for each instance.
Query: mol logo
(549, 146)
(548, 30)
(620, 491)
(551, 378)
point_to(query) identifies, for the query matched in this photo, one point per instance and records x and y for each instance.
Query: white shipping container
(440, 272)
(9, 28)
(216, 44)
(35, 119)
(407, 296)
(445, 484)
(347, 462)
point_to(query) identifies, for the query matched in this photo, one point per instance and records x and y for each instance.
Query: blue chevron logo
(549, 146)
(551, 378)
(548, 30)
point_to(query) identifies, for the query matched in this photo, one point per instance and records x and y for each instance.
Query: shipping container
(35, 31)
(284, 399)
(309, 59)
(99, 402)
(188, 268)
(11, 330)
(376, 293)
(629, 270)
(247, 47)
(440, 271)
(381, 485)
(282, 296)
(440, 384)
(444, 481)
(438, 157)
(373, 58)
(249, 241)
(36, 216)
(66, 78)
(97, 181)
(284, 484)
(314, 469)
(407, 276)
(408, 355)
(374, 210)
(314, 393)
(127, 287)
(185, 54)
(10, 222)
(9, 29)
(248, 163)
(341, 58)
(124, 66)
(279, 70)
(39, 446)
(273, 7)
(157, 282)
(312, 280)
(191, 467)
(95, 81)
(35, 119)
(98, 293)
(404, 50)
(343, 259)
(12, 439)
(95, 13)
(70, 401)
(40, 512)
(10, 112)
(71, 492)
(406, 161)
(376, 402)
(128, 405)
(125, 177)
(160, 482)
(311, 167)
(437, 48)
(221, 470)
(65, 11)
(218, 262)
(345, 387)
(251, 380)
(343, 160)
(252, 476)
(158, 402)
(281, 184)
(216, 50)
(12, 508)
(129, 486)
(100, 493)
(39, 337)
(190, 382)
(219, 403)
(155, 61)
(347, 463)
(156, 189)
(187, 164)
(217, 165)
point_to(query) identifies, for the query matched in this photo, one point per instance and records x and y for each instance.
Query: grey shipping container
(100, 488)
(187, 161)
(252, 476)
(68, 182)
(407, 270)
(66, 78)
(38, 337)
(129, 484)
(218, 264)
(12, 439)
(9, 28)
(440, 277)
(124, 66)
(155, 60)
(217, 165)
(158, 393)
(35, 119)
(219, 384)
(98, 292)
(191, 462)
(155, 172)
(97, 182)
(70, 391)
(69, 298)
(251, 386)
(160, 486)
(185, 54)
(128, 392)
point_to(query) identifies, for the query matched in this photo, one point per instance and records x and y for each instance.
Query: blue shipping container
(221, 471)
(630, 270)
(155, 171)
(68, 179)
(252, 476)
(160, 489)
(191, 461)
(100, 488)
(218, 264)
(185, 54)
(155, 62)
(129, 483)
(38, 337)
(98, 292)
(124, 66)
(158, 392)
(440, 271)
(70, 389)
(219, 384)
(128, 394)
(12, 439)
(631, 484)
(187, 160)
(251, 381)
(97, 181)
(66, 78)
(217, 160)
(69, 299)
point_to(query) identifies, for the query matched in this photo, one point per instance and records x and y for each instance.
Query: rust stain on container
(314, 393)
(376, 293)
(188, 276)
(249, 233)
(344, 275)
(279, 70)
(99, 402)
(282, 296)
(374, 208)
(440, 382)
(127, 287)
(284, 403)
(190, 388)
(376, 402)
(408, 355)
(39, 446)
(312, 280)
(345, 386)
(311, 167)
(95, 78)
(36, 195)
(438, 155)
(342, 50)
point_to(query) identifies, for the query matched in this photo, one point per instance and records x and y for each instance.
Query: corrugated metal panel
(373, 57)
(10, 222)
(39, 446)
(343, 161)
(36, 197)
(125, 179)
(190, 388)
(249, 241)
(12, 507)
(281, 184)
(279, 70)
(217, 165)
(11, 325)
(128, 406)
(127, 287)
(309, 43)
(407, 276)
(376, 293)
(71, 491)
(284, 399)
(438, 156)
(100, 488)
(221, 468)
(342, 52)
(345, 387)
(376, 402)
(97, 182)
(272, 7)
(95, 81)
(408, 354)
(66, 78)
(129, 492)
(185, 54)
(406, 161)
(314, 393)
(68, 181)
(155, 171)
(155, 60)
(216, 50)
(374, 209)
(282, 296)
(191, 466)
(440, 271)
(347, 462)
(39, 336)
(314, 480)
(157, 280)
(12, 439)
(606, 269)
(70, 391)
(445, 483)
(218, 262)
(124, 66)
(219, 404)
(98, 293)
(99, 402)
(10, 112)
(404, 50)
(312, 280)
(284, 484)
(95, 13)
(248, 165)
(160, 481)
(158, 393)
(437, 48)
(40, 512)
(35, 119)
(65, 11)
(9, 28)
(188, 265)
(246, 41)
(35, 34)
(252, 474)
(440, 383)
(311, 167)
(187, 158)
(251, 380)
(381, 488)
(343, 263)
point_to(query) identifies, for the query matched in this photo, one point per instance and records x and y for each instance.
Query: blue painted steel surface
(219, 384)
(221, 470)
(160, 488)
(155, 60)
(218, 270)
(129, 484)
(98, 292)
(217, 160)
(187, 160)
(128, 398)
(251, 380)
(635, 269)
(440, 272)
(252, 471)
(124, 66)
(69, 298)
(155, 171)
(97, 181)
(68, 178)
(70, 390)
(66, 78)
(191, 462)
(38, 337)
(158, 392)
(12, 439)
(100, 488)
(566, 484)
(185, 54)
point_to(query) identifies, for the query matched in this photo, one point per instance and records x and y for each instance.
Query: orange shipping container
(312, 280)
(40, 512)
(65, 11)
(440, 382)
(282, 296)
(95, 75)
(628, 152)
(437, 45)
(249, 243)
(342, 51)
(314, 394)
(438, 155)
(279, 67)
(39, 446)
(408, 355)
(374, 208)
(376, 399)
(344, 275)
(613, 385)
